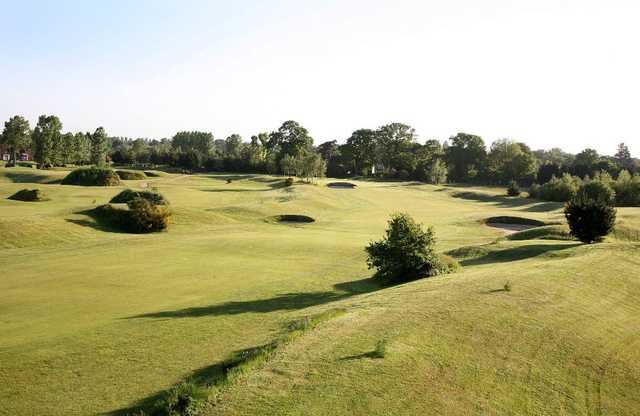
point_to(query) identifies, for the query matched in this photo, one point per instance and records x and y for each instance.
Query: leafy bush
(145, 217)
(288, 181)
(513, 189)
(405, 253)
(560, 189)
(141, 217)
(128, 195)
(590, 213)
(534, 191)
(185, 399)
(627, 189)
(507, 286)
(92, 177)
(131, 175)
(28, 195)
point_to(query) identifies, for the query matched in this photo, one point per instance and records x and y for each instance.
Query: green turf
(94, 321)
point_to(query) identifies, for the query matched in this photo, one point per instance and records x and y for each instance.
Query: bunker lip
(341, 185)
(511, 225)
(291, 219)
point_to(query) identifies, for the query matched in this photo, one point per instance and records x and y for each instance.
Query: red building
(5, 154)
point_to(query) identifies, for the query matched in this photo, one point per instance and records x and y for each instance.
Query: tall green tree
(202, 142)
(233, 146)
(465, 155)
(510, 161)
(16, 135)
(361, 146)
(99, 147)
(291, 139)
(392, 140)
(623, 157)
(46, 140)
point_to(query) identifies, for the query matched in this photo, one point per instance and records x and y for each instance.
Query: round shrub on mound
(131, 175)
(28, 195)
(590, 213)
(128, 195)
(407, 252)
(141, 217)
(288, 182)
(92, 177)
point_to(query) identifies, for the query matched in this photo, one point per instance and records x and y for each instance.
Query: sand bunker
(511, 225)
(341, 185)
(292, 219)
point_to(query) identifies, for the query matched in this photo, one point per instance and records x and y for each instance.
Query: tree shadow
(508, 202)
(281, 302)
(517, 253)
(97, 224)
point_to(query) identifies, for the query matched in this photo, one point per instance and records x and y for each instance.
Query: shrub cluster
(28, 195)
(563, 189)
(590, 213)
(513, 189)
(407, 252)
(129, 195)
(92, 177)
(288, 181)
(131, 175)
(141, 217)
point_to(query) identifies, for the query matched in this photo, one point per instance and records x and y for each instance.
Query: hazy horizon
(547, 73)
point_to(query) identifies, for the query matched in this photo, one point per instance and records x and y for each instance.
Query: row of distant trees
(50, 146)
(390, 151)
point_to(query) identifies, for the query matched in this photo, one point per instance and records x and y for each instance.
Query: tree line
(390, 151)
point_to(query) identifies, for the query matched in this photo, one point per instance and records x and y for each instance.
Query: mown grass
(96, 322)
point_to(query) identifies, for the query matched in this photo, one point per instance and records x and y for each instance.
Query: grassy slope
(110, 318)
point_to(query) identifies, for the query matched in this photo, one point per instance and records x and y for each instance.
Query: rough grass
(98, 322)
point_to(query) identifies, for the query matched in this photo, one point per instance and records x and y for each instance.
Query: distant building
(5, 154)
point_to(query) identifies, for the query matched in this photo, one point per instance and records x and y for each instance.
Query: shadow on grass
(205, 376)
(281, 302)
(517, 253)
(27, 177)
(524, 204)
(369, 354)
(271, 185)
(97, 223)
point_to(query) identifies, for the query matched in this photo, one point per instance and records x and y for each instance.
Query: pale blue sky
(548, 72)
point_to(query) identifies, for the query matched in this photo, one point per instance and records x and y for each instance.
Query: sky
(550, 73)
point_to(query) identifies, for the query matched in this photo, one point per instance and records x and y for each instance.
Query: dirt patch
(341, 185)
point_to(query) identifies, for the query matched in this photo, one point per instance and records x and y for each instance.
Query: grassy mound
(292, 218)
(28, 195)
(131, 175)
(129, 195)
(92, 177)
(550, 232)
(341, 185)
(514, 221)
